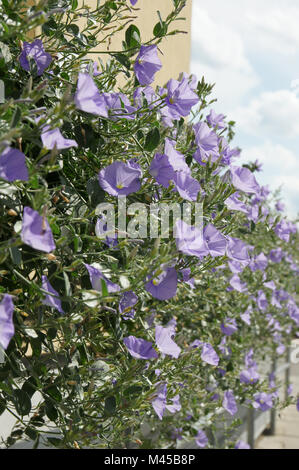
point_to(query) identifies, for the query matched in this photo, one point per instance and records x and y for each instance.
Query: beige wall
(176, 49)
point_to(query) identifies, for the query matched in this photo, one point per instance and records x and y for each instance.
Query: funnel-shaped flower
(147, 64)
(36, 231)
(164, 285)
(88, 98)
(139, 348)
(12, 165)
(120, 179)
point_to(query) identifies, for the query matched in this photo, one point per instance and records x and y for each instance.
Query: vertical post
(287, 372)
(273, 411)
(250, 427)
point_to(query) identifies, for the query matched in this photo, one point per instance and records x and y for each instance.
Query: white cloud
(218, 54)
(271, 113)
(280, 169)
(277, 30)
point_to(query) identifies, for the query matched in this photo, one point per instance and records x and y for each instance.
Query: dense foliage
(128, 342)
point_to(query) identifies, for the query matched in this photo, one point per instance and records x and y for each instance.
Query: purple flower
(209, 355)
(234, 204)
(165, 343)
(147, 64)
(139, 348)
(229, 327)
(147, 93)
(214, 119)
(12, 165)
(159, 402)
(207, 143)
(88, 97)
(297, 405)
(7, 329)
(243, 179)
(229, 402)
(101, 229)
(35, 51)
(120, 179)
(53, 138)
(133, 2)
(263, 401)
(190, 240)
(49, 299)
(164, 285)
(127, 301)
(283, 230)
(276, 255)
(187, 187)
(162, 170)
(96, 278)
(242, 445)
(246, 315)
(280, 206)
(261, 301)
(186, 273)
(270, 285)
(237, 284)
(119, 106)
(215, 241)
(36, 231)
(259, 262)
(176, 405)
(249, 376)
(180, 97)
(237, 250)
(201, 439)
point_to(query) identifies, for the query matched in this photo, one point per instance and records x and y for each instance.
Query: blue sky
(250, 49)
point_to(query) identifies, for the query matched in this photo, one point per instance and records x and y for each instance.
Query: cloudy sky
(250, 49)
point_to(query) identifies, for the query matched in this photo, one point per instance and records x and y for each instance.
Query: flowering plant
(117, 340)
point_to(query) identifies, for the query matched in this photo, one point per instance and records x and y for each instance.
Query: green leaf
(123, 60)
(104, 288)
(50, 410)
(22, 402)
(133, 38)
(2, 405)
(152, 139)
(160, 29)
(15, 254)
(110, 405)
(16, 118)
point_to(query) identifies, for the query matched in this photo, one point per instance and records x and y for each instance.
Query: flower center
(171, 100)
(156, 282)
(119, 186)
